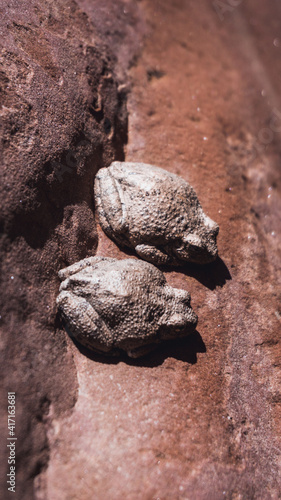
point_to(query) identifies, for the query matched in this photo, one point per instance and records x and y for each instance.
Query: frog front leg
(84, 323)
(110, 204)
(152, 254)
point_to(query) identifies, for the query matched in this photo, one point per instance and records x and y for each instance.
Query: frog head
(199, 243)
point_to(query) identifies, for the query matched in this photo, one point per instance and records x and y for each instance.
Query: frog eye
(177, 321)
(192, 240)
(188, 243)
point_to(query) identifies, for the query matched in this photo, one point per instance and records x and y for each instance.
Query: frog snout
(213, 250)
(211, 226)
(211, 241)
(181, 322)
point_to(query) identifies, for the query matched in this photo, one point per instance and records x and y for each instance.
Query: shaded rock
(206, 426)
(62, 118)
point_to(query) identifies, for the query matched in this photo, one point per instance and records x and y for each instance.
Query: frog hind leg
(84, 323)
(79, 266)
(110, 204)
(152, 254)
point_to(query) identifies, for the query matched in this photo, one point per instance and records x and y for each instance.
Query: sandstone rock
(199, 419)
(62, 118)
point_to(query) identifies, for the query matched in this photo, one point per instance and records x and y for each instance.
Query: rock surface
(62, 118)
(199, 420)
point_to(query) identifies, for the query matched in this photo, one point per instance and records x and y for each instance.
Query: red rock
(196, 420)
(55, 73)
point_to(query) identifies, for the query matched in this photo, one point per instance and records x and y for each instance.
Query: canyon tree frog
(112, 305)
(155, 212)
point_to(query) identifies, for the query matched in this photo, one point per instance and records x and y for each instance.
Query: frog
(126, 306)
(154, 212)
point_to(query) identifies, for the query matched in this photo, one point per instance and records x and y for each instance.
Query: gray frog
(112, 305)
(155, 212)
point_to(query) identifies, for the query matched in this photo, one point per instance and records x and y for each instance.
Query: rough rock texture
(62, 118)
(200, 420)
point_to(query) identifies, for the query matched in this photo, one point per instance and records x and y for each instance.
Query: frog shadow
(184, 349)
(212, 275)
